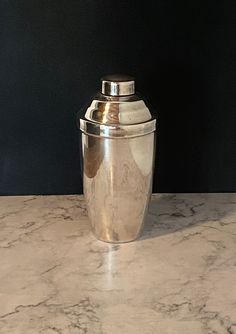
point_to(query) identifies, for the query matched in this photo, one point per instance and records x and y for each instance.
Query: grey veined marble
(179, 278)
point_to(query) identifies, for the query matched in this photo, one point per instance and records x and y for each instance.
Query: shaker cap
(118, 85)
(116, 111)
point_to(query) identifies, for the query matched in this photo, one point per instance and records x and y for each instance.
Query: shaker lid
(118, 85)
(116, 111)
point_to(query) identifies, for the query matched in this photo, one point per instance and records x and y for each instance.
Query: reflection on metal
(118, 154)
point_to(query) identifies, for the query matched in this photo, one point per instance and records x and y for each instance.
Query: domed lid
(117, 111)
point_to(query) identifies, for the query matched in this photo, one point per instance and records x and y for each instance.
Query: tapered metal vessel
(118, 145)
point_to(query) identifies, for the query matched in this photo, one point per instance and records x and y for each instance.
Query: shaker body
(118, 148)
(117, 179)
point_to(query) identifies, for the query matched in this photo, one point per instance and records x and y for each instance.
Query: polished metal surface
(118, 85)
(118, 146)
(122, 131)
(117, 117)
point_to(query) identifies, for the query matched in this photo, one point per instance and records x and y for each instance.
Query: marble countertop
(178, 278)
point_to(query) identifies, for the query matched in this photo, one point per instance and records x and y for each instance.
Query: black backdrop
(52, 55)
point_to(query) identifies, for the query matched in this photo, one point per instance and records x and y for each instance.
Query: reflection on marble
(179, 278)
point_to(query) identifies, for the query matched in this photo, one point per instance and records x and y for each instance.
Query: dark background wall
(52, 55)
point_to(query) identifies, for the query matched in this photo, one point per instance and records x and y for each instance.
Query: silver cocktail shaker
(118, 148)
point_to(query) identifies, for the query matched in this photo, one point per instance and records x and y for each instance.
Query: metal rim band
(117, 131)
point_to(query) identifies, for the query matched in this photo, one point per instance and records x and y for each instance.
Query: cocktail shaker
(118, 148)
